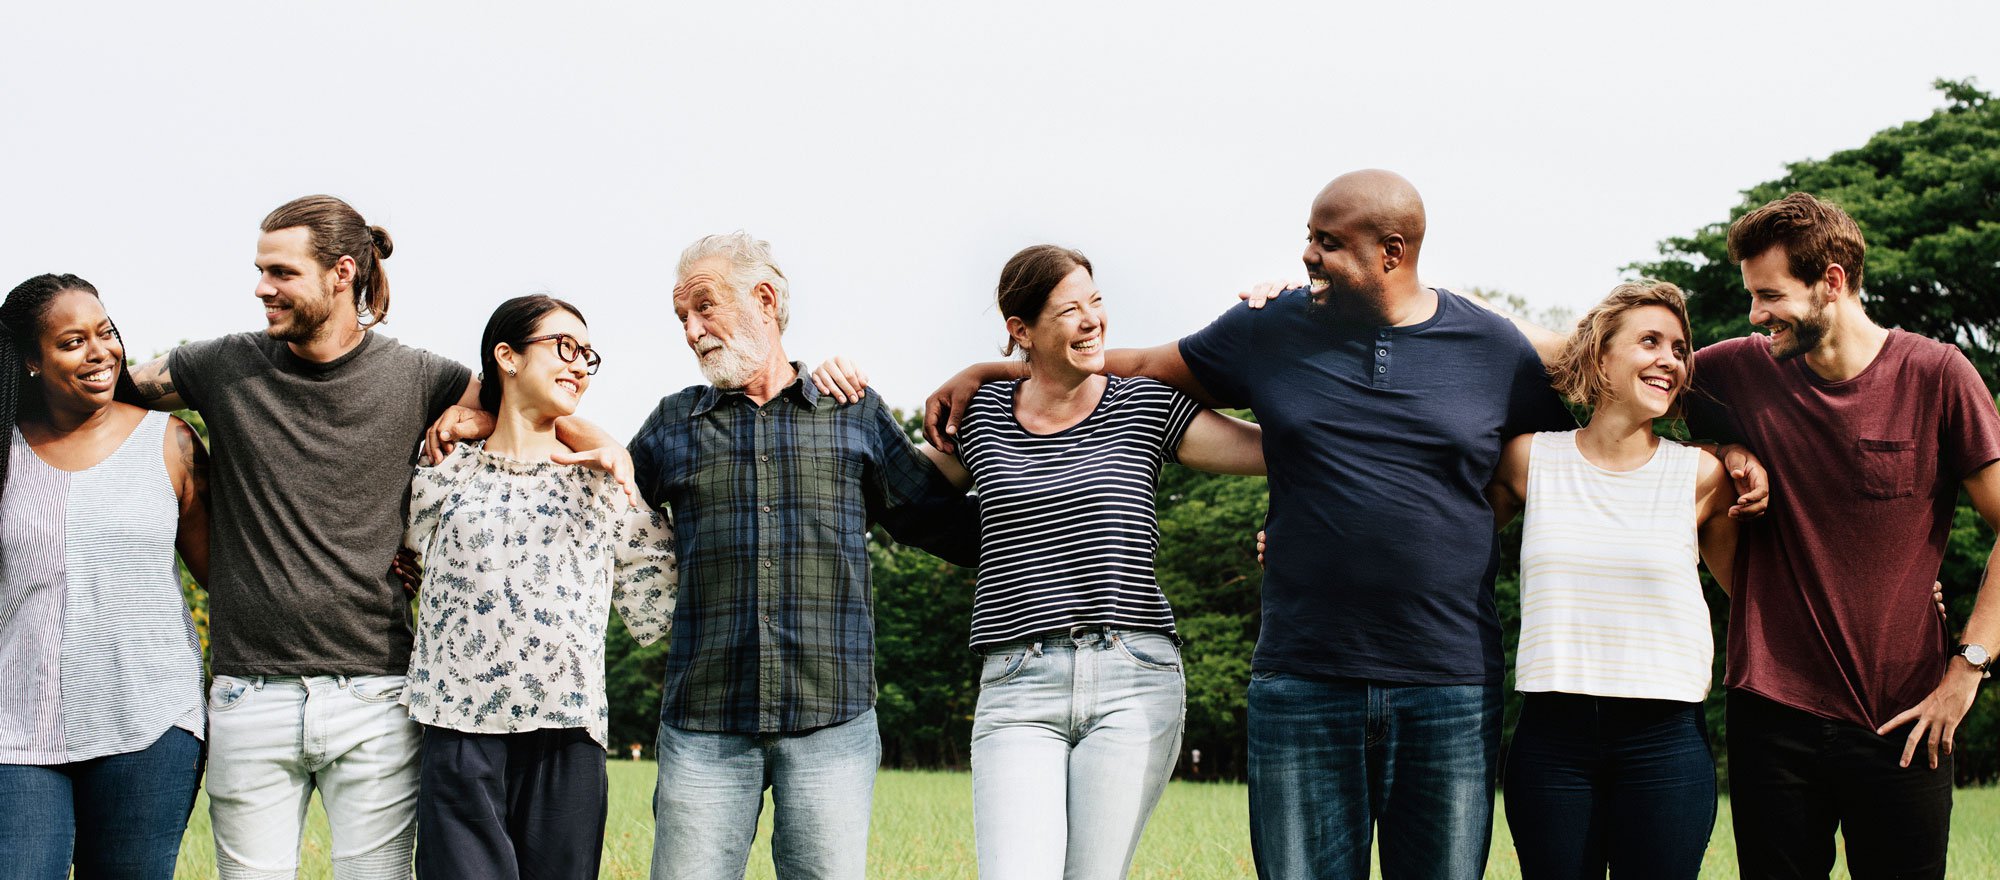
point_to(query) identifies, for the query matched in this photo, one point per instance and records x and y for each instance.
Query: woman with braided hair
(101, 708)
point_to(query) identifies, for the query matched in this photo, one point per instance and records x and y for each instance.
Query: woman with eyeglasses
(523, 558)
(101, 713)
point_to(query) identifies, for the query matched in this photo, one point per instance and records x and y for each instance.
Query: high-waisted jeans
(1073, 741)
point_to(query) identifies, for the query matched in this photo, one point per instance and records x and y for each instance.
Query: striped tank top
(97, 653)
(1611, 603)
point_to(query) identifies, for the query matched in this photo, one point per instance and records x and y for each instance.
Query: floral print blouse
(519, 561)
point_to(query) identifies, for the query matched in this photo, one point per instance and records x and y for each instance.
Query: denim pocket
(225, 692)
(376, 688)
(1149, 650)
(1888, 468)
(999, 668)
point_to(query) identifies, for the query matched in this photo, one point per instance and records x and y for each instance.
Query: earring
(510, 371)
(34, 373)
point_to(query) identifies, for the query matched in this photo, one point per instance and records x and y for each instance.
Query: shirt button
(1381, 334)
(767, 563)
(1381, 369)
(762, 457)
(1381, 352)
(767, 508)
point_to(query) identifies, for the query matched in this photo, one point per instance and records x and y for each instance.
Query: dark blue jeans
(1332, 760)
(1601, 782)
(119, 816)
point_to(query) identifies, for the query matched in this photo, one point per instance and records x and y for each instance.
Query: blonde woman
(1610, 764)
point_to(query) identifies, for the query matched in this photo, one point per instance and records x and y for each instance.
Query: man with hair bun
(314, 425)
(1845, 688)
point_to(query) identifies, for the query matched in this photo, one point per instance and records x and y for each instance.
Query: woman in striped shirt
(1610, 765)
(100, 670)
(1081, 699)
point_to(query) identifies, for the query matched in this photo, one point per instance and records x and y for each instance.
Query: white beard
(735, 363)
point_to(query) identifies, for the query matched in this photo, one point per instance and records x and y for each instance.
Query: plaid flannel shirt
(775, 631)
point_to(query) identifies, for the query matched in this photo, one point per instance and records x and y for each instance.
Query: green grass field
(923, 829)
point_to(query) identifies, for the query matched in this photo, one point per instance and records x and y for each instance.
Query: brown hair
(336, 230)
(1028, 279)
(1815, 233)
(1578, 370)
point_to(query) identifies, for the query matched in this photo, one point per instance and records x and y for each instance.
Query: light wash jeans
(711, 788)
(272, 740)
(1072, 743)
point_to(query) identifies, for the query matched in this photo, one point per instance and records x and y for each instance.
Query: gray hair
(750, 263)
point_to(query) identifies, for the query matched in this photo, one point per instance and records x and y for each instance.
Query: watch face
(1974, 654)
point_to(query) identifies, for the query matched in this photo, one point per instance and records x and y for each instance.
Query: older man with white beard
(771, 671)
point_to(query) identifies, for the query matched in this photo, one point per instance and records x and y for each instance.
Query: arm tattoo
(153, 380)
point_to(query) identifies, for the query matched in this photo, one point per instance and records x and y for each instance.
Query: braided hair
(21, 316)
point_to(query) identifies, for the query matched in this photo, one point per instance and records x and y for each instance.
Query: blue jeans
(711, 788)
(1597, 783)
(1072, 744)
(119, 816)
(1332, 759)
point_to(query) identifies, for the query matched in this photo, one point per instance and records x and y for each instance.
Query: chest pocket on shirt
(836, 473)
(1888, 468)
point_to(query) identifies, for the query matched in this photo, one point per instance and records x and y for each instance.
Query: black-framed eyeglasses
(568, 349)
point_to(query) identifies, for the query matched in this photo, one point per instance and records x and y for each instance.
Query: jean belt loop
(257, 681)
(340, 681)
(1037, 649)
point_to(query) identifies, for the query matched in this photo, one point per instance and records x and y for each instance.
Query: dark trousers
(119, 816)
(512, 806)
(1597, 783)
(1794, 777)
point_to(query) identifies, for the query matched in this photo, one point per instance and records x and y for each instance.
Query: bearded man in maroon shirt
(1845, 688)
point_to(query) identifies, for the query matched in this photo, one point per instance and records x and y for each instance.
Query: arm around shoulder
(155, 382)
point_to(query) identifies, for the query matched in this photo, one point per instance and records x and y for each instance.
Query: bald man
(1375, 696)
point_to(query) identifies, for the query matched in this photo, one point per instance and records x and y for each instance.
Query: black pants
(515, 806)
(1597, 783)
(1794, 777)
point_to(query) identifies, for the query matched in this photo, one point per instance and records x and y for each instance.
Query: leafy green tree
(1927, 196)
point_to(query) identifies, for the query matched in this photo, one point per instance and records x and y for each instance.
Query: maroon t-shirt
(1832, 612)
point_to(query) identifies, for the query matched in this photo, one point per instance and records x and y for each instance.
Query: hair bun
(384, 246)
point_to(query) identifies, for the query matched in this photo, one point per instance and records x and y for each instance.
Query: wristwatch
(1977, 656)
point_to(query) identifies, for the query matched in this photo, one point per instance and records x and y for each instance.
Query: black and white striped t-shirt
(1067, 525)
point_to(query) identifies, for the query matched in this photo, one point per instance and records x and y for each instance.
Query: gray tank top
(97, 653)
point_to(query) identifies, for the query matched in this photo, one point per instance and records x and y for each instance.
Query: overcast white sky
(896, 154)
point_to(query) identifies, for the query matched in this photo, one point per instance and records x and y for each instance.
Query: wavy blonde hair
(1578, 370)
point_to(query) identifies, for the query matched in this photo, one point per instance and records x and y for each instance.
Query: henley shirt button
(1381, 352)
(1381, 334)
(1381, 369)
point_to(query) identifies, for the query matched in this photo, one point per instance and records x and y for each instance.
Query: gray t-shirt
(311, 471)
